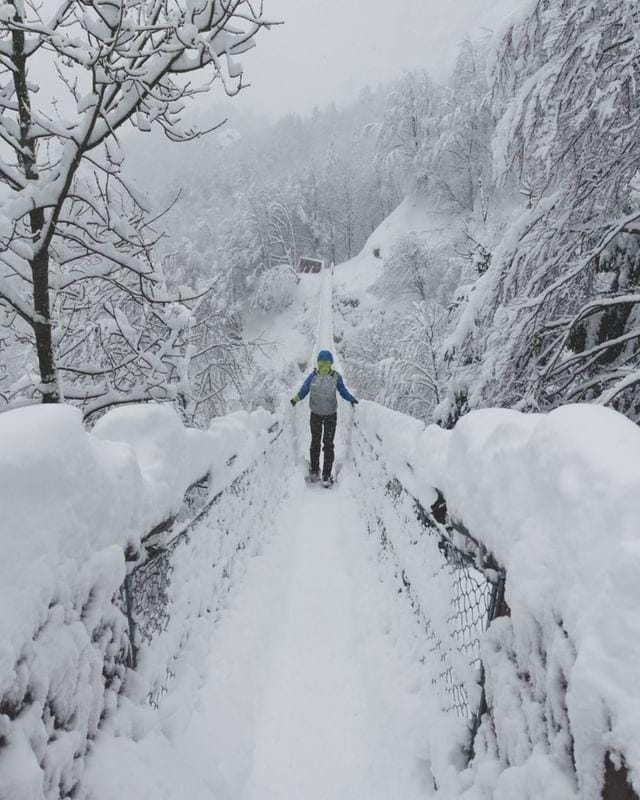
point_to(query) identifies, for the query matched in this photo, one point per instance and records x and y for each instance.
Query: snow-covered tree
(554, 318)
(396, 358)
(416, 270)
(74, 234)
(274, 288)
(461, 157)
(416, 372)
(410, 127)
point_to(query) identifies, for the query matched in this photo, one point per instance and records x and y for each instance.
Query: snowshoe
(313, 477)
(327, 482)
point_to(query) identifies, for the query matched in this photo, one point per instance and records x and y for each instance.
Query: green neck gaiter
(324, 367)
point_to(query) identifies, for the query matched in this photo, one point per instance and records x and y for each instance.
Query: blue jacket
(344, 393)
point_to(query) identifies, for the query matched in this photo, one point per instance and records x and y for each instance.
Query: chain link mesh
(144, 595)
(454, 599)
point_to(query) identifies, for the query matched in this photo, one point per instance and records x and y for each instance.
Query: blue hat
(325, 355)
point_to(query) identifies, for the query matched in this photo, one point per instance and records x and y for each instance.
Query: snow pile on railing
(72, 503)
(556, 499)
(171, 457)
(181, 592)
(401, 441)
(449, 592)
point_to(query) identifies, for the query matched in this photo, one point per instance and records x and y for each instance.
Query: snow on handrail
(144, 593)
(79, 510)
(470, 576)
(542, 510)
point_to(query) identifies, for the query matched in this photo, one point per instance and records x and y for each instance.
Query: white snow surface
(415, 214)
(557, 499)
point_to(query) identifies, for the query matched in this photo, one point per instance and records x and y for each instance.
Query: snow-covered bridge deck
(306, 694)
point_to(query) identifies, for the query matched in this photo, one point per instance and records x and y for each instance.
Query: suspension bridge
(292, 642)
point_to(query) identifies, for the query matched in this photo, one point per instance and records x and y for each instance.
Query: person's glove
(293, 401)
(354, 402)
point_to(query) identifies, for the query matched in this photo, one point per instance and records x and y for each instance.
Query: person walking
(322, 386)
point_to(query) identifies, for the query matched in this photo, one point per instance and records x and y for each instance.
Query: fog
(328, 50)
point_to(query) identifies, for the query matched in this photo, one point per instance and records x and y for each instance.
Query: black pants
(318, 424)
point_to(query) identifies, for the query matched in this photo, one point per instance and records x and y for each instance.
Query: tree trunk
(40, 261)
(42, 328)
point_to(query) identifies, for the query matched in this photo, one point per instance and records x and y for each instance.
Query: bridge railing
(86, 595)
(454, 585)
(505, 564)
(177, 585)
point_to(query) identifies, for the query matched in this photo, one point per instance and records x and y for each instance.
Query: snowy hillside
(392, 297)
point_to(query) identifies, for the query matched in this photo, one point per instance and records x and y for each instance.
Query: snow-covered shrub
(274, 288)
(396, 359)
(407, 269)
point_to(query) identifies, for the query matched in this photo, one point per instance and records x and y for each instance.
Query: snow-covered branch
(68, 213)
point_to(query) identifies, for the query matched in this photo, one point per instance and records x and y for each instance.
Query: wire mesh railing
(145, 594)
(456, 589)
(454, 586)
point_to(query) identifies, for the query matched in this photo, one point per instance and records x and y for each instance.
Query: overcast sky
(328, 50)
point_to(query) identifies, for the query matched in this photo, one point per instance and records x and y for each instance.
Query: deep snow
(533, 489)
(414, 215)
